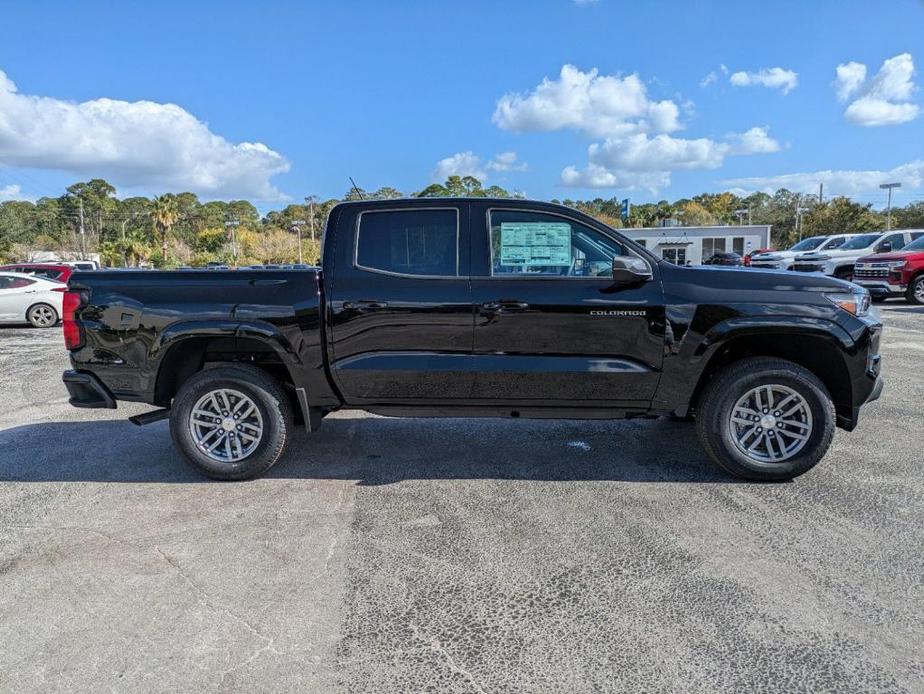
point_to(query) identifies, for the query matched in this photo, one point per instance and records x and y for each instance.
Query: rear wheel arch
(190, 355)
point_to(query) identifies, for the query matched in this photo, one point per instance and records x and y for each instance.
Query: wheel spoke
(217, 442)
(792, 434)
(795, 423)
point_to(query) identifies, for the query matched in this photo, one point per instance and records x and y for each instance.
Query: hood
(885, 257)
(753, 282)
(774, 255)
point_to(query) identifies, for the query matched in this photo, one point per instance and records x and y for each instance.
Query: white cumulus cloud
(10, 192)
(140, 144)
(837, 182)
(643, 162)
(883, 100)
(470, 164)
(773, 77)
(599, 105)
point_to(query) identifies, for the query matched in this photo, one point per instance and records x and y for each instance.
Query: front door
(550, 323)
(400, 304)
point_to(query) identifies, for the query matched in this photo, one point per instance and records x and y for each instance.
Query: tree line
(177, 229)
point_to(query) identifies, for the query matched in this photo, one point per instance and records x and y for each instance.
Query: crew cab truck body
(477, 307)
(839, 262)
(899, 273)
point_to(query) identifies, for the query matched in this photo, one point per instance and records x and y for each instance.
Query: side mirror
(885, 247)
(627, 269)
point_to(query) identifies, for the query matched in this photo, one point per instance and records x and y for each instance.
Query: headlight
(896, 264)
(856, 303)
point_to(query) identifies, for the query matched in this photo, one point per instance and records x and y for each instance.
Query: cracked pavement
(397, 555)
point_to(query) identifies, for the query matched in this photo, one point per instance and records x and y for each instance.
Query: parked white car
(782, 260)
(839, 262)
(30, 299)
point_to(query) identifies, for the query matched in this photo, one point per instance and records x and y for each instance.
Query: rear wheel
(765, 419)
(42, 316)
(915, 293)
(231, 423)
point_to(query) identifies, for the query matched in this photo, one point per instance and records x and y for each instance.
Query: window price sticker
(535, 244)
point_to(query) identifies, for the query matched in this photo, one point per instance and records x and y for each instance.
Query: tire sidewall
(262, 457)
(819, 440)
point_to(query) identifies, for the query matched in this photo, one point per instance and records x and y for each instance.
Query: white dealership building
(693, 245)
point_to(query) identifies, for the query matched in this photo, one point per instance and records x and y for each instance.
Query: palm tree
(165, 214)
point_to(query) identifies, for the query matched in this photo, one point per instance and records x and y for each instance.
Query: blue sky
(400, 93)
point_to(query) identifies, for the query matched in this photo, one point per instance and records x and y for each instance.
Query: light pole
(741, 214)
(231, 224)
(297, 225)
(310, 200)
(889, 187)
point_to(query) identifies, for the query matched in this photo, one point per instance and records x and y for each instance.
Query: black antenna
(358, 191)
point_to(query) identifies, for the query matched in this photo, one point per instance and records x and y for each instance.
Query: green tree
(164, 214)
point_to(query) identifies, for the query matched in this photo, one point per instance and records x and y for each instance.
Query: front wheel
(765, 419)
(42, 316)
(915, 294)
(231, 422)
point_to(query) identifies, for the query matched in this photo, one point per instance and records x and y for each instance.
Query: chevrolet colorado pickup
(477, 307)
(897, 273)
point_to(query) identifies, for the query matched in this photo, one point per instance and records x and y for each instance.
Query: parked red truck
(899, 273)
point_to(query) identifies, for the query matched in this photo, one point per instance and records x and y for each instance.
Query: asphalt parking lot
(394, 555)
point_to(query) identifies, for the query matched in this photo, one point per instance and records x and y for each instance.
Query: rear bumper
(86, 390)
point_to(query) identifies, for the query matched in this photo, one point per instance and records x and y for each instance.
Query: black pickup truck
(477, 308)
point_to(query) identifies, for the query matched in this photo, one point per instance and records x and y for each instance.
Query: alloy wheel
(226, 425)
(771, 423)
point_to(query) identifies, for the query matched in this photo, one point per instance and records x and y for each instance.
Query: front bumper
(86, 390)
(808, 267)
(880, 287)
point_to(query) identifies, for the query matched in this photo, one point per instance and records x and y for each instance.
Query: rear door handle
(504, 306)
(364, 305)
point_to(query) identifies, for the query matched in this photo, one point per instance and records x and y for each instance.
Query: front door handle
(504, 306)
(364, 305)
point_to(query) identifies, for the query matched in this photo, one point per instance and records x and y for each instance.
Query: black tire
(915, 292)
(42, 316)
(264, 392)
(715, 429)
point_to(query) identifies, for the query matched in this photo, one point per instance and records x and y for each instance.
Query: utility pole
(889, 187)
(821, 193)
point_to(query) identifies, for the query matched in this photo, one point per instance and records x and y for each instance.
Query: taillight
(59, 289)
(73, 332)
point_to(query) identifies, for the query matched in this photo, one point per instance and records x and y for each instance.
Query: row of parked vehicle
(888, 264)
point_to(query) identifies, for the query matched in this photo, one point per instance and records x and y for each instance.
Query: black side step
(149, 417)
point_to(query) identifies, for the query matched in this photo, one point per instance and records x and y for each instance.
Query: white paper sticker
(533, 244)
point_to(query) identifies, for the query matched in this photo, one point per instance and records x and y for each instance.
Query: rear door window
(420, 243)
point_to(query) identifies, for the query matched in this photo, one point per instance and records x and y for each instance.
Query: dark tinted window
(409, 242)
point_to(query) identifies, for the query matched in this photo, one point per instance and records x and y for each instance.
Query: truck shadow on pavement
(378, 450)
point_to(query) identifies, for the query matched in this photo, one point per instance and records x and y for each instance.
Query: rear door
(551, 326)
(400, 303)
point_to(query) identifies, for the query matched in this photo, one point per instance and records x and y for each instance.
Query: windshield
(859, 242)
(808, 244)
(915, 245)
